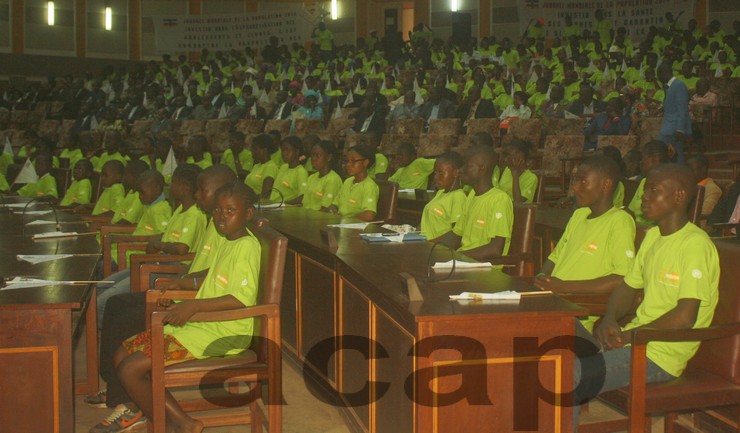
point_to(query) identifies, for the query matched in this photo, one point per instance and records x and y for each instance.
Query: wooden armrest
(641, 337)
(118, 238)
(95, 219)
(160, 282)
(144, 265)
(122, 248)
(513, 259)
(117, 228)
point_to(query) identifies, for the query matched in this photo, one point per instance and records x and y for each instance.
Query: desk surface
(68, 269)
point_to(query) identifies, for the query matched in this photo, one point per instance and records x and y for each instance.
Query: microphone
(44, 199)
(429, 278)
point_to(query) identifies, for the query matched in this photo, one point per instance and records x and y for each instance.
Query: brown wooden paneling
(393, 411)
(18, 23)
(81, 27)
(134, 29)
(354, 366)
(288, 308)
(316, 284)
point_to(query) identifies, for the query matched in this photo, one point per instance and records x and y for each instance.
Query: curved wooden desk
(430, 366)
(37, 326)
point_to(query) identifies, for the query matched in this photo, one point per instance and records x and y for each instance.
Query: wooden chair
(484, 125)
(445, 126)
(630, 188)
(387, 200)
(411, 127)
(624, 143)
(63, 176)
(283, 126)
(539, 193)
(696, 205)
(144, 266)
(123, 237)
(433, 145)
(520, 248)
(712, 377)
(250, 127)
(305, 127)
(260, 362)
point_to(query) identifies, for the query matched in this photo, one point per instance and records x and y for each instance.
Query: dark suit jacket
(446, 110)
(485, 110)
(377, 124)
(577, 107)
(247, 113)
(183, 114)
(286, 111)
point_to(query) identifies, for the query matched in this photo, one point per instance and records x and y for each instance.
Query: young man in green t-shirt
(653, 153)
(677, 266)
(46, 186)
(80, 191)
(411, 172)
(598, 246)
(484, 231)
(113, 191)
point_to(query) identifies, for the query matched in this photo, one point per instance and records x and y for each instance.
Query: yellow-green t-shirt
(682, 265)
(130, 209)
(442, 213)
(110, 199)
(259, 173)
(618, 200)
(207, 249)
(46, 185)
(78, 192)
(593, 248)
(186, 227)
(99, 162)
(636, 204)
(245, 159)
(321, 191)
(291, 182)
(357, 197)
(277, 158)
(4, 186)
(235, 271)
(153, 221)
(73, 155)
(414, 175)
(485, 217)
(204, 163)
(5, 160)
(380, 166)
(527, 184)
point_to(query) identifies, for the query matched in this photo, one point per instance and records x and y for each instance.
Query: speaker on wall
(461, 27)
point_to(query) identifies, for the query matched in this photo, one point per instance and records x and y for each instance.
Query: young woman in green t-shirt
(323, 186)
(358, 196)
(264, 171)
(444, 210)
(290, 182)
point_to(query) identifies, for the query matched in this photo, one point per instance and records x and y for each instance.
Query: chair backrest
(445, 126)
(721, 356)
(484, 125)
(696, 205)
(522, 235)
(97, 186)
(406, 127)
(63, 177)
(539, 192)
(282, 125)
(251, 126)
(274, 247)
(387, 200)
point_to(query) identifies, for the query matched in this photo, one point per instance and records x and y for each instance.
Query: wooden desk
(38, 325)
(402, 357)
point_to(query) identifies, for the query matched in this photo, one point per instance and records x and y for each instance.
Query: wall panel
(41, 38)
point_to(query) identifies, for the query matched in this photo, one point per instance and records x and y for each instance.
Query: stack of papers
(38, 258)
(355, 226)
(392, 237)
(22, 283)
(403, 228)
(15, 205)
(508, 295)
(52, 235)
(461, 265)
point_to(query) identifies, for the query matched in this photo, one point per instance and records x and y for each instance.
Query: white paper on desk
(269, 205)
(403, 228)
(22, 283)
(407, 190)
(51, 235)
(37, 212)
(38, 258)
(15, 205)
(356, 226)
(508, 295)
(40, 222)
(461, 265)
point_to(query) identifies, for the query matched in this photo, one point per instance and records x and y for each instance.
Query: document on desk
(40, 222)
(37, 212)
(354, 226)
(461, 265)
(54, 235)
(23, 282)
(508, 295)
(392, 237)
(39, 258)
(15, 205)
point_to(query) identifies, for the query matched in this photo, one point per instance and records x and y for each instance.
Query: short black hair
(605, 166)
(364, 151)
(406, 149)
(263, 141)
(240, 191)
(188, 173)
(680, 174)
(656, 148)
(520, 145)
(115, 166)
(453, 158)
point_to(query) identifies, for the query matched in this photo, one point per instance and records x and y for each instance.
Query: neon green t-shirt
(235, 271)
(73, 155)
(5, 160)
(277, 158)
(110, 199)
(204, 163)
(46, 185)
(291, 182)
(78, 192)
(207, 249)
(485, 217)
(130, 209)
(153, 221)
(414, 175)
(321, 191)
(357, 197)
(99, 162)
(527, 184)
(186, 227)
(593, 248)
(442, 213)
(245, 159)
(259, 173)
(4, 186)
(380, 166)
(618, 200)
(683, 265)
(636, 204)
(158, 163)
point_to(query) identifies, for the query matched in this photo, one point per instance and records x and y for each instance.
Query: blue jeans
(121, 284)
(607, 371)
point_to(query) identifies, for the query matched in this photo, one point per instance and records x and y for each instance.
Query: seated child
(155, 152)
(677, 267)
(598, 245)
(198, 152)
(616, 156)
(239, 258)
(446, 208)
(244, 162)
(73, 153)
(113, 190)
(290, 182)
(653, 153)
(262, 177)
(322, 187)
(130, 209)
(80, 191)
(46, 185)
(379, 170)
(112, 142)
(484, 231)
(412, 172)
(358, 196)
(4, 186)
(515, 179)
